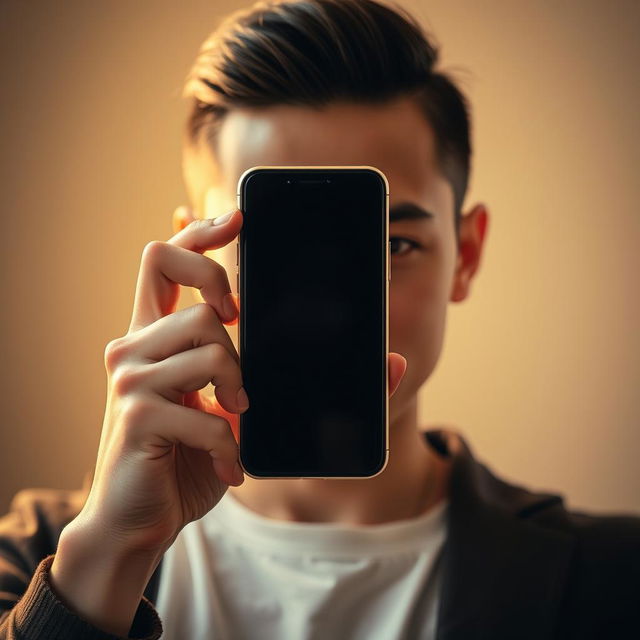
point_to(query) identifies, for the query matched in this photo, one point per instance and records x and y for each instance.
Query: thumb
(397, 369)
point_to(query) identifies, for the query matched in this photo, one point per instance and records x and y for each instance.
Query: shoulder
(587, 564)
(601, 594)
(591, 525)
(477, 481)
(610, 541)
(605, 544)
(598, 572)
(30, 529)
(29, 532)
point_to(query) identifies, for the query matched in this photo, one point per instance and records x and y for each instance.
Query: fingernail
(238, 474)
(229, 306)
(242, 399)
(222, 219)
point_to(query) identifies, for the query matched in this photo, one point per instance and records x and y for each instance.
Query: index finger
(199, 236)
(156, 293)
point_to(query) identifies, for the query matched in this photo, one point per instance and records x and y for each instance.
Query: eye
(394, 240)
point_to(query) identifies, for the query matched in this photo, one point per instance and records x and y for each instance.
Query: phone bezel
(239, 192)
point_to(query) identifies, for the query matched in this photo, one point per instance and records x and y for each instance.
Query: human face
(426, 269)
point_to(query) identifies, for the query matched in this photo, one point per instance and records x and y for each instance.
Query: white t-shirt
(235, 574)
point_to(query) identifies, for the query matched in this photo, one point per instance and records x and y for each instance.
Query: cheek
(417, 314)
(416, 326)
(417, 300)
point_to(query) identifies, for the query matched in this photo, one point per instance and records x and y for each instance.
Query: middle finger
(182, 330)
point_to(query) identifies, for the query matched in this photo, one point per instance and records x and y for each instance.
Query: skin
(397, 139)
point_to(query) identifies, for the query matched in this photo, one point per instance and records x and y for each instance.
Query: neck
(414, 480)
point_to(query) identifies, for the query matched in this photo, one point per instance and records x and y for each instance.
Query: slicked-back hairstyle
(312, 52)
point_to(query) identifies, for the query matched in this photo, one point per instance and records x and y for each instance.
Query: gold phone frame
(388, 278)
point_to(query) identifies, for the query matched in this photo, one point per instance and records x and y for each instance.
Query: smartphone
(313, 289)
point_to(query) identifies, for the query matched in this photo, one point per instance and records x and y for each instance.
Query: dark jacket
(517, 564)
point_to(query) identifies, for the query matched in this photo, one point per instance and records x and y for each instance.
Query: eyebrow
(408, 211)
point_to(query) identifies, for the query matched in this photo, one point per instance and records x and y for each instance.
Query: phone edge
(241, 179)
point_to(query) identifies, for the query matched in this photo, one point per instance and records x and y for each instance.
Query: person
(167, 536)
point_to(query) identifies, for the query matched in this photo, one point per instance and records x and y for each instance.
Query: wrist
(100, 581)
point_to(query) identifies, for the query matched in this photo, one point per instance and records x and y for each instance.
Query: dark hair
(311, 52)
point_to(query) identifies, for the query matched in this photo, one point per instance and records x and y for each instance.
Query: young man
(436, 546)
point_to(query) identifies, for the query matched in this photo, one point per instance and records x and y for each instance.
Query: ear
(182, 216)
(473, 228)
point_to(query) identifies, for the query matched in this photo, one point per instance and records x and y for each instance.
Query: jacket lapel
(503, 574)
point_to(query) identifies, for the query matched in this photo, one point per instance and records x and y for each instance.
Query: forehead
(394, 137)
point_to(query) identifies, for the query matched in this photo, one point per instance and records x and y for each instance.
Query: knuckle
(114, 352)
(216, 353)
(223, 436)
(204, 314)
(219, 272)
(125, 378)
(136, 412)
(151, 250)
(213, 270)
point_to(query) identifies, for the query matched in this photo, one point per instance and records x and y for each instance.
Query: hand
(167, 454)
(164, 458)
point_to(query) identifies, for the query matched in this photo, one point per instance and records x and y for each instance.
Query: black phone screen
(313, 288)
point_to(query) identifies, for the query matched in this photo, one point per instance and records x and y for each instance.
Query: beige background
(541, 365)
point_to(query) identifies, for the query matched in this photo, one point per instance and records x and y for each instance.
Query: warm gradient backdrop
(541, 365)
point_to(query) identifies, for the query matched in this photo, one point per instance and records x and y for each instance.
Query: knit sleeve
(40, 615)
